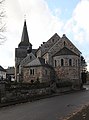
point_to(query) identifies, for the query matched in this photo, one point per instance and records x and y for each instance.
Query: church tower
(21, 51)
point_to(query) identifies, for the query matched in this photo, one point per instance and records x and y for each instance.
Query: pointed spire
(25, 38)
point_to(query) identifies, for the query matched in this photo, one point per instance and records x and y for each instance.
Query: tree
(83, 63)
(2, 24)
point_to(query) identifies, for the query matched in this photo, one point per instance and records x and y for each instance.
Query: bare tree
(2, 23)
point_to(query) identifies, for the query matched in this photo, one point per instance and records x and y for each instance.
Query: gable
(65, 51)
(63, 42)
(47, 45)
(36, 62)
(30, 57)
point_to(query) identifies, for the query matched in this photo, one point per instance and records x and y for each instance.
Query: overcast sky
(45, 18)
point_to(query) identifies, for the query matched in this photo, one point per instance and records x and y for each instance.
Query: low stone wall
(24, 94)
(64, 89)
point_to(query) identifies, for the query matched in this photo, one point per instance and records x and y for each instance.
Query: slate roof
(47, 45)
(65, 51)
(65, 39)
(25, 38)
(36, 62)
(28, 58)
(34, 51)
(2, 69)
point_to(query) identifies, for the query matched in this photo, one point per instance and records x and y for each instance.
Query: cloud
(78, 25)
(78, 28)
(81, 14)
(42, 24)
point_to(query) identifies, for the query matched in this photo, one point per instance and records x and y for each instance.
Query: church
(58, 59)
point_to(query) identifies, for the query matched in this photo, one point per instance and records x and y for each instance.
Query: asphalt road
(55, 108)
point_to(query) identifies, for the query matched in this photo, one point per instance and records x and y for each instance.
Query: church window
(70, 62)
(31, 71)
(52, 40)
(64, 43)
(62, 62)
(55, 64)
(30, 57)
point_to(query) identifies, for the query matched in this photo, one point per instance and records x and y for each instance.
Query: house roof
(37, 62)
(65, 51)
(28, 58)
(58, 46)
(10, 70)
(2, 69)
(47, 45)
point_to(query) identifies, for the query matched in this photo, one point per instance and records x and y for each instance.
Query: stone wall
(60, 44)
(40, 73)
(67, 72)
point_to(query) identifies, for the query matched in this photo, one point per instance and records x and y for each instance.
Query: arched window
(70, 62)
(62, 62)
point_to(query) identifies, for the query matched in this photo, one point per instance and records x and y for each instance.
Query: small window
(70, 62)
(62, 62)
(30, 57)
(31, 71)
(52, 40)
(64, 43)
(55, 63)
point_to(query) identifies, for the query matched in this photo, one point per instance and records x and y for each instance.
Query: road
(54, 108)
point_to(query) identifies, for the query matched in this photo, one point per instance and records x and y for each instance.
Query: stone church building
(58, 59)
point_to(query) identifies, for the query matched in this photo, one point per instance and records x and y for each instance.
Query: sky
(45, 18)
